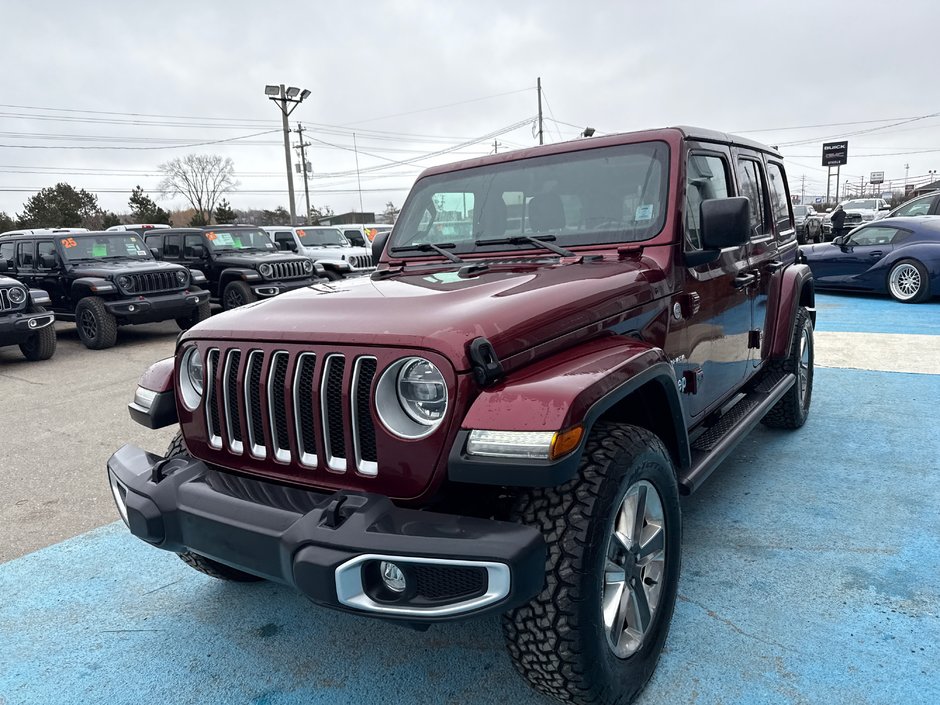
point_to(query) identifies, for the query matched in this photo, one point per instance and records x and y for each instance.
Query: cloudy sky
(99, 94)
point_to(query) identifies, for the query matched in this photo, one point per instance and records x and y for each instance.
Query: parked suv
(240, 262)
(23, 319)
(508, 424)
(102, 280)
(326, 246)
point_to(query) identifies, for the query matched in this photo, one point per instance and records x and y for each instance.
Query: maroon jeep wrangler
(556, 344)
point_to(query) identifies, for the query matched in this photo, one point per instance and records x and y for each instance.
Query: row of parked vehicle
(146, 273)
(814, 226)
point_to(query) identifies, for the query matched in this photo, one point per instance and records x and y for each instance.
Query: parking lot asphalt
(809, 573)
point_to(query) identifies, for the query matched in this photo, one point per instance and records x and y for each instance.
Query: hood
(433, 309)
(107, 269)
(336, 253)
(253, 259)
(8, 281)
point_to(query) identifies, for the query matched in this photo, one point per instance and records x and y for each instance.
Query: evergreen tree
(6, 222)
(145, 210)
(224, 213)
(60, 206)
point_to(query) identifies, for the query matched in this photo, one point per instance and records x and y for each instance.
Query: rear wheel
(41, 344)
(97, 327)
(793, 408)
(595, 632)
(237, 294)
(908, 282)
(200, 313)
(201, 563)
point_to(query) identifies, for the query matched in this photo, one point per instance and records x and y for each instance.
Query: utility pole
(539, 86)
(495, 147)
(281, 98)
(303, 167)
(356, 150)
(907, 168)
(803, 189)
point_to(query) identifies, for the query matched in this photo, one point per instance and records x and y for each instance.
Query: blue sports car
(900, 256)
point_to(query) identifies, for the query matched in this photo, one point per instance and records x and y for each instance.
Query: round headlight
(125, 282)
(182, 276)
(191, 374)
(411, 397)
(422, 391)
(17, 295)
(308, 266)
(265, 270)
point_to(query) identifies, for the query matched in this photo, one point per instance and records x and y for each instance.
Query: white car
(868, 208)
(326, 246)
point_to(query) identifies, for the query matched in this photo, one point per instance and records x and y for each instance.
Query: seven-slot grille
(288, 270)
(280, 404)
(153, 282)
(360, 261)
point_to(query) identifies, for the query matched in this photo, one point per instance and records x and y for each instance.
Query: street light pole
(281, 98)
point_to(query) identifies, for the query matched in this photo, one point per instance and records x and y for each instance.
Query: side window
(156, 242)
(752, 185)
(779, 199)
(45, 248)
(24, 254)
(706, 177)
(921, 206)
(7, 252)
(189, 242)
(171, 246)
(875, 235)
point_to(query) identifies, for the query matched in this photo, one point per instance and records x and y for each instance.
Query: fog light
(392, 576)
(33, 322)
(132, 308)
(119, 497)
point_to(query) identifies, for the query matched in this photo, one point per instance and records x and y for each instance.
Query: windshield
(610, 194)
(238, 240)
(101, 246)
(314, 237)
(864, 204)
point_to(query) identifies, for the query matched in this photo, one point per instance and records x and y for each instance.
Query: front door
(848, 264)
(714, 306)
(51, 278)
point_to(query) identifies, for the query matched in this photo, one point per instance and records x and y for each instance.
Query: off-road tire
(239, 290)
(100, 329)
(558, 641)
(200, 314)
(923, 291)
(41, 344)
(205, 565)
(793, 408)
(332, 276)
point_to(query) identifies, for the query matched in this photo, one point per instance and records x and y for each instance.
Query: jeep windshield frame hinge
(487, 369)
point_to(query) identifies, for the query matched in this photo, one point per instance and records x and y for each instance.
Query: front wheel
(196, 561)
(908, 282)
(97, 326)
(41, 344)
(237, 294)
(595, 632)
(332, 276)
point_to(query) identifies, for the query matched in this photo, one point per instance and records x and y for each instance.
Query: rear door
(762, 248)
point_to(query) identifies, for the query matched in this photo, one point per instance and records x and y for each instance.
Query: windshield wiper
(431, 247)
(543, 242)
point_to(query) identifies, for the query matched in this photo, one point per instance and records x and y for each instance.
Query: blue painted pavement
(811, 574)
(875, 313)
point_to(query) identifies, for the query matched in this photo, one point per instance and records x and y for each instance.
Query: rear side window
(779, 199)
(752, 185)
(706, 178)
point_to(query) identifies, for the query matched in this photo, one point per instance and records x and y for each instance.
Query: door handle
(744, 280)
(775, 265)
(876, 253)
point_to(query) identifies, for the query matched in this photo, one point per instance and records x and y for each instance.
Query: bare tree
(202, 179)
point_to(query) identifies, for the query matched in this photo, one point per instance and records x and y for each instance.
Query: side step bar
(713, 446)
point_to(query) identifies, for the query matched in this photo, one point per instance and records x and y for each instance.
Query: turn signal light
(564, 442)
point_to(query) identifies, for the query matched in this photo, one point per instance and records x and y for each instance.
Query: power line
(172, 146)
(552, 114)
(441, 107)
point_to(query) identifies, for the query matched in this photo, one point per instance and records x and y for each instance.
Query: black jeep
(240, 262)
(23, 320)
(102, 280)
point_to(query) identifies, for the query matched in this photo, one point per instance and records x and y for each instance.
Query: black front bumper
(16, 328)
(148, 308)
(328, 545)
(273, 288)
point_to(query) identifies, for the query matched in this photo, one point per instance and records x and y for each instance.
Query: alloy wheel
(89, 324)
(633, 570)
(904, 281)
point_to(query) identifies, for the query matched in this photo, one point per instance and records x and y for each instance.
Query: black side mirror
(48, 261)
(156, 253)
(199, 251)
(378, 245)
(726, 222)
(838, 240)
(287, 245)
